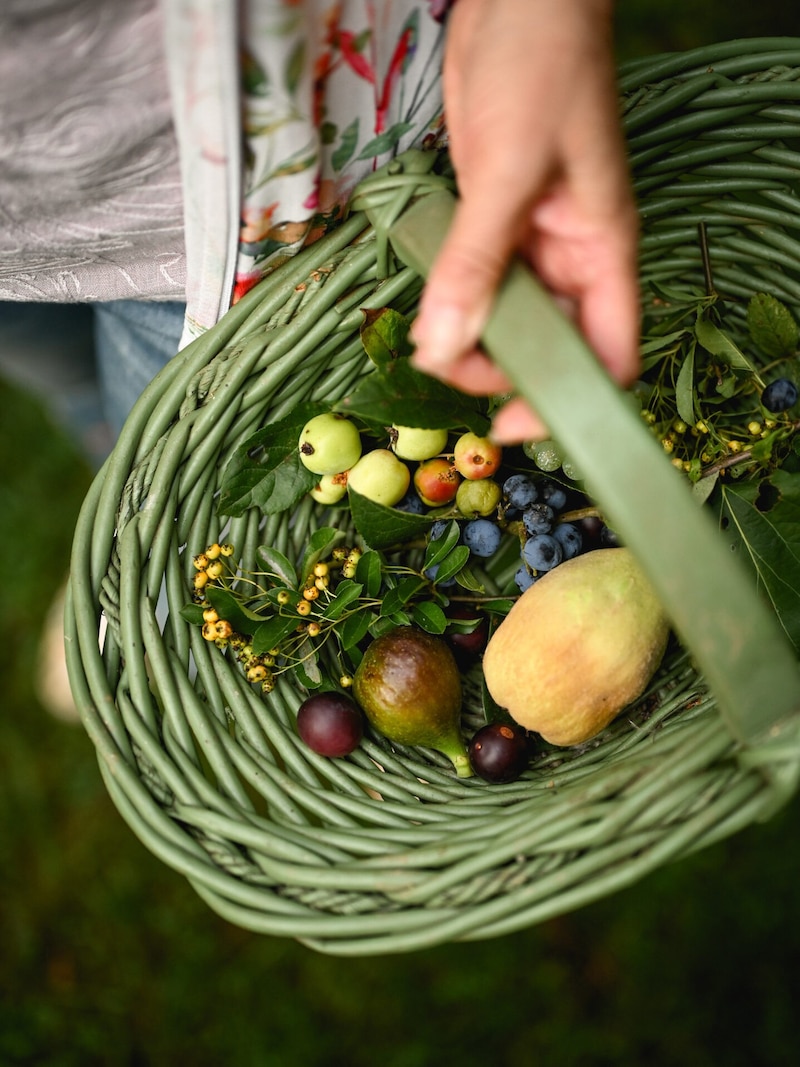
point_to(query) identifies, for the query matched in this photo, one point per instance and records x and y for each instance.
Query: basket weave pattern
(386, 850)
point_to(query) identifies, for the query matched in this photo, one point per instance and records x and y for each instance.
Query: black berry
(779, 395)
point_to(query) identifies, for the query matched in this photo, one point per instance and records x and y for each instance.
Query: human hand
(532, 111)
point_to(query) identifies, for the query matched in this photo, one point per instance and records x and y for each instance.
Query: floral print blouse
(322, 91)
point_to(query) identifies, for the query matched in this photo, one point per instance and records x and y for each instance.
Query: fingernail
(441, 338)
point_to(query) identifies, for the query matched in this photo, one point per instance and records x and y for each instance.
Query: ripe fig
(578, 647)
(409, 688)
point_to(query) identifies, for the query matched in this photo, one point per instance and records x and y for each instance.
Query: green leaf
(228, 606)
(347, 146)
(452, 564)
(319, 544)
(467, 579)
(307, 668)
(684, 389)
(369, 572)
(192, 613)
(704, 487)
(272, 631)
(385, 141)
(719, 344)
(405, 590)
(429, 616)
(439, 547)
(346, 592)
(772, 326)
(266, 472)
(354, 629)
(382, 527)
(277, 565)
(397, 393)
(766, 532)
(384, 335)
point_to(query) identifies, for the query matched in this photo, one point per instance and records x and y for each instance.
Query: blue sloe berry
(438, 528)
(538, 519)
(523, 579)
(412, 503)
(779, 395)
(542, 552)
(520, 490)
(569, 537)
(482, 537)
(553, 494)
(431, 572)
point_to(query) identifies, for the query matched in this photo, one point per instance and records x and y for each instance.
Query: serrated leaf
(429, 616)
(719, 344)
(382, 527)
(397, 393)
(769, 540)
(354, 629)
(772, 326)
(266, 471)
(384, 335)
(277, 565)
(272, 631)
(684, 388)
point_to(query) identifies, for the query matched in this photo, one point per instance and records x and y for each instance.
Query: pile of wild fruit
(467, 480)
(387, 634)
(435, 553)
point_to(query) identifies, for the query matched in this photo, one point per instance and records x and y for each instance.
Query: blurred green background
(108, 958)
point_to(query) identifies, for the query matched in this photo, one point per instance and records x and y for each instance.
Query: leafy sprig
(311, 617)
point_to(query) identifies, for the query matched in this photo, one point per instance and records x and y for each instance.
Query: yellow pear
(579, 646)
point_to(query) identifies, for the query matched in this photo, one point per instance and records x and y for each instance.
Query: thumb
(457, 297)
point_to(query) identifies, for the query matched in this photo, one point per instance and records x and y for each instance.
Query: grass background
(109, 958)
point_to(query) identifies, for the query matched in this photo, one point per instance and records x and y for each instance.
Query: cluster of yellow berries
(675, 437)
(210, 569)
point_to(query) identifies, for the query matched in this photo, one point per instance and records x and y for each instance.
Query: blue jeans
(88, 363)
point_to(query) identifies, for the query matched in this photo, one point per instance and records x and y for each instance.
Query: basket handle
(734, 636)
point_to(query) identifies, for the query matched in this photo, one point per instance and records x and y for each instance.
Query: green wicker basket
(387, 850)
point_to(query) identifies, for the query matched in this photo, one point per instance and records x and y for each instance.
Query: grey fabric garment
(90, 191)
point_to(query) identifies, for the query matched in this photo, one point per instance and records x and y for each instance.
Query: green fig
(409, 688)
(579, 646)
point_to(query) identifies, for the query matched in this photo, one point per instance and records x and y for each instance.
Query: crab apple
(329, 443)
(478, 497)
(381, 477)
(330, 488)
(437, 481)
(415, 443)
(476, 457)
